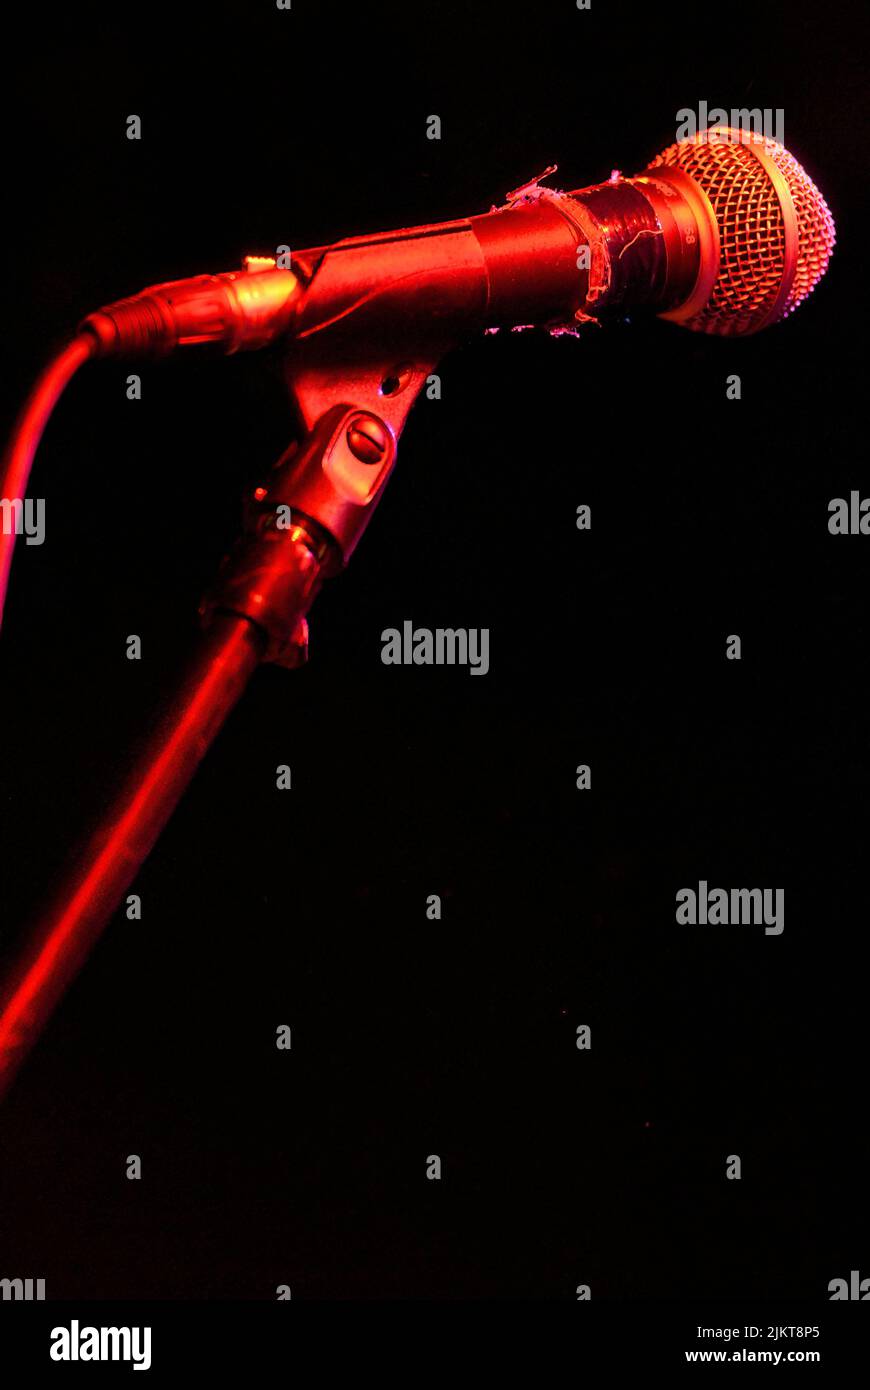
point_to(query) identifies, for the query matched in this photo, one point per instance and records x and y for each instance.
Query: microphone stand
(256, 612)
(354, 367)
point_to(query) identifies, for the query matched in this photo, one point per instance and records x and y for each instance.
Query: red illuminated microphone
(724, 233)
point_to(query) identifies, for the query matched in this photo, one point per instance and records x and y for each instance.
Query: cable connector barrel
(237, 310)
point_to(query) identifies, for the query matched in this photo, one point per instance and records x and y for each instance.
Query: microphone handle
(547, 259)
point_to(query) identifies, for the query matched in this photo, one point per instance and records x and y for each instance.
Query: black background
(308, 907)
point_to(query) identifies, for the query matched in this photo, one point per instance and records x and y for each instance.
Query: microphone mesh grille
(752, 230)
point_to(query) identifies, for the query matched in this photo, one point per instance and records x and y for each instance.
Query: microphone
(724, 233)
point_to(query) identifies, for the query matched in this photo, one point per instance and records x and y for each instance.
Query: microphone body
(724, 233)
(546, 258)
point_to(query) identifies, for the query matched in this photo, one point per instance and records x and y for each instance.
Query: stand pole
(57, 948)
